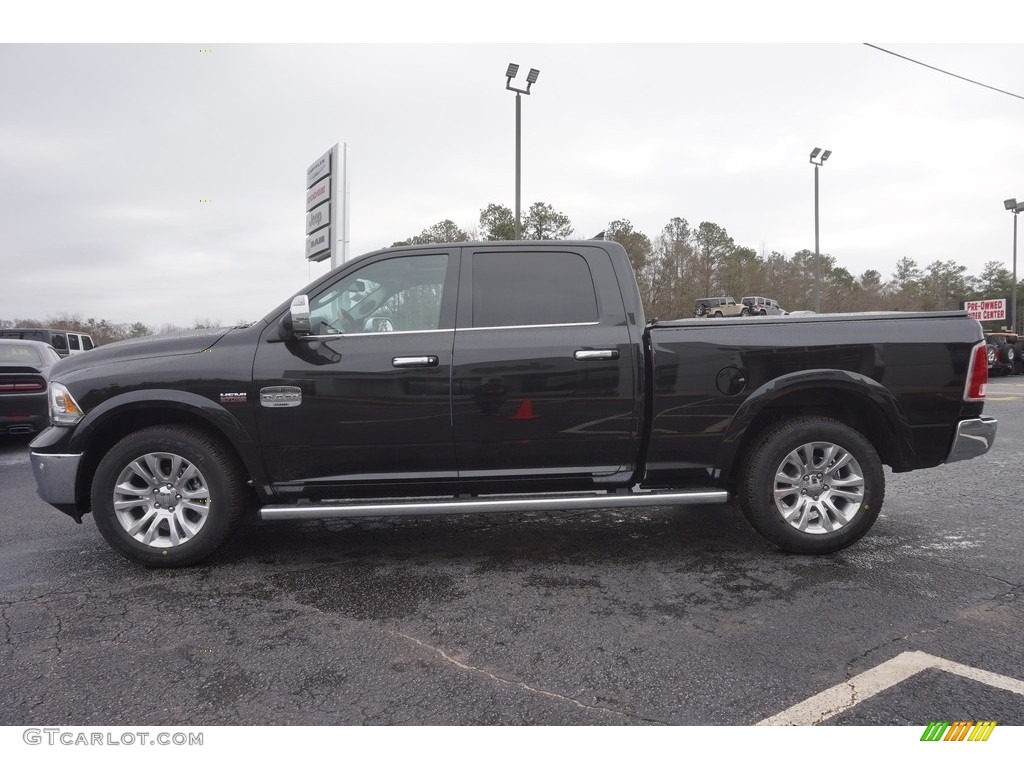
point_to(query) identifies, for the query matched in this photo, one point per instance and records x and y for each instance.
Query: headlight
(63, 408)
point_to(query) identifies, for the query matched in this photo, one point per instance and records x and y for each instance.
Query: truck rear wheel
(167, 496)
(812, 485)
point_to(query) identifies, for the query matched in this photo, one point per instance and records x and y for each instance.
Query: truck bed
(715, 383)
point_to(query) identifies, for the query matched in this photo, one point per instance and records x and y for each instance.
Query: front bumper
(974, 437)
(56, 476)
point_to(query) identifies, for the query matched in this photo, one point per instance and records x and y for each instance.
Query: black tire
(1018, 349)
(771, 457)
(762, 313)
(1010, 358)
(187, 515)
(718, 313)
(1002, 369)
(744, 312)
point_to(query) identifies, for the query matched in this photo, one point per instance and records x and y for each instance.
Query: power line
(951, 74)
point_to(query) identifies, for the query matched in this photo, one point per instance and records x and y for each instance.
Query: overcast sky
(107, 151)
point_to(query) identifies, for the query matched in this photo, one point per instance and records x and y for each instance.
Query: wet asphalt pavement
(664, 616)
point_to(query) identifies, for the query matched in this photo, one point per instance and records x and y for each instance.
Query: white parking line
(877, 679)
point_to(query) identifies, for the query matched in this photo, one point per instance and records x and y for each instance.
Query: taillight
(977, 374)
(9, 385)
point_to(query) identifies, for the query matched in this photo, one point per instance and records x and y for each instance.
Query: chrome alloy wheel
(161, 499)
(819, 487)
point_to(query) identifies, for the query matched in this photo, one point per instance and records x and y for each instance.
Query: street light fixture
(1016, 208)
(531, 78)
(817, 162)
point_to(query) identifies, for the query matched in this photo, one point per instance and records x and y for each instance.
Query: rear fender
(856, 390)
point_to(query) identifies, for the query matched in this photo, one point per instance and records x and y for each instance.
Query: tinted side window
(86, 342)
(532, 289)
(58, 341)
(73, 341)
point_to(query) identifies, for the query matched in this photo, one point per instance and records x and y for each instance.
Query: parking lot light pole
(1016, 208)
(531, 78)
(817, 162)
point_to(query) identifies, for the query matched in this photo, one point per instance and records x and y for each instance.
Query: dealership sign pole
(327, 206)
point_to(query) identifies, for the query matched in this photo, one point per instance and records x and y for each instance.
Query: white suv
(759, 305)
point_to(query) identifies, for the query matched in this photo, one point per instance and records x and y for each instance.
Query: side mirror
(299, 315)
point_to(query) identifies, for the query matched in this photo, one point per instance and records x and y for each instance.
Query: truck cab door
(545, 374)
(362, 403)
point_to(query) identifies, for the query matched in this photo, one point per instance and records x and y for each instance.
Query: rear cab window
(532, 288)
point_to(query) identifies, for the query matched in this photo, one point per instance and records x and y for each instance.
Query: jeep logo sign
(318, 217)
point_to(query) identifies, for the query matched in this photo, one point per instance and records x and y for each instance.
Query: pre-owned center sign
(986, 309)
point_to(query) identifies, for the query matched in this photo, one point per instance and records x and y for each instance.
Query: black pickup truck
(480, 377)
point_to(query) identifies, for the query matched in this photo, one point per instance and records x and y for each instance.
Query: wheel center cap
(165, 497)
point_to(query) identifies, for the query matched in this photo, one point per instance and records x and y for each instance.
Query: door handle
(421, 361)
(596, 354)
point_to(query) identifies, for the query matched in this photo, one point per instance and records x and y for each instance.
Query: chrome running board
(478, 504)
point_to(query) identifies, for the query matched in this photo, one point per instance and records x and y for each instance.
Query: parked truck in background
(489, 377)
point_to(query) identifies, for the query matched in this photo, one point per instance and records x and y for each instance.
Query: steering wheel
(346, 323)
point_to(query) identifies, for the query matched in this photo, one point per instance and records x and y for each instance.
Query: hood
(165, 345)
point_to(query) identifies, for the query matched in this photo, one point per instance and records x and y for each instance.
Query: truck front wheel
(812, 485)
(167, 496)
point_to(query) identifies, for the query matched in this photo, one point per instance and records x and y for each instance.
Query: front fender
(197, 407)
